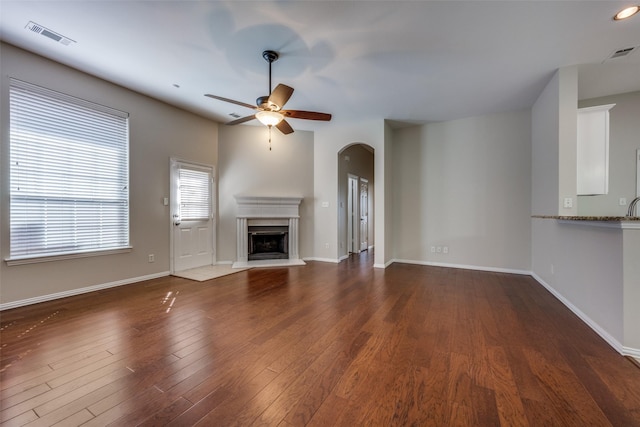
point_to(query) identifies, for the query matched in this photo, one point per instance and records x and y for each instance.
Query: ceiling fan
(269, 108)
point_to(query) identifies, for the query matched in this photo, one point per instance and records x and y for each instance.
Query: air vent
(621, 53)
(39, 29)
(235, 115)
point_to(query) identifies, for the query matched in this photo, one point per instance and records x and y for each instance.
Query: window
(69, 174)
(195, 194)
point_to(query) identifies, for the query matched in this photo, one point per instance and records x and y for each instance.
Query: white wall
(631, 303)
(464, 184)
(157, 132)
(624, 124)
(246, 167)
(585, 270)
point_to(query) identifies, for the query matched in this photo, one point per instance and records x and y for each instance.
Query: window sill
(49, 258)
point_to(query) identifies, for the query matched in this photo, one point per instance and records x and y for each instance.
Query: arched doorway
(355, 199)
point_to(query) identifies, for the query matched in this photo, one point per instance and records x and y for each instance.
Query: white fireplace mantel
(264, 208)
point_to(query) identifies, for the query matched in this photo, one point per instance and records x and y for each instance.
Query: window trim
(34, 259)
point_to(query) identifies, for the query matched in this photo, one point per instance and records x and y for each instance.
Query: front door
(192, 215)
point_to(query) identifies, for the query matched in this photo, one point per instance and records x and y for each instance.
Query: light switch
(325, 204)
(165, 201)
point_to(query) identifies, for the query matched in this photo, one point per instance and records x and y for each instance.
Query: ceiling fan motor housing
(263, 103)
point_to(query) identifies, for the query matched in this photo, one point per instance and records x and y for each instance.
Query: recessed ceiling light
(626, 13)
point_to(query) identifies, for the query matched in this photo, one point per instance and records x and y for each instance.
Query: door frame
(353, 213)
(174, 208)
(360, 215)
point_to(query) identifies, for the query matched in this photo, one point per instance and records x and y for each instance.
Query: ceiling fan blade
(280, 95)
(307, 115)
(241, 120)
(244, 104)
(284, 127)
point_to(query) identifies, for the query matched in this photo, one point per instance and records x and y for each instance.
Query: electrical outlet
(433, 249)
(152, 258)
(326, 245)
(568, 202)
(623, 201)
(445, 249)
(439, 249)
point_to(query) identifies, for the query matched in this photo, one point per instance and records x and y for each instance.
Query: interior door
(192, 215)
(352, 215)
(364, 214)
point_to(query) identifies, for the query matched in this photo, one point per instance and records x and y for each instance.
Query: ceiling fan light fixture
(626, 13)
(269, 118)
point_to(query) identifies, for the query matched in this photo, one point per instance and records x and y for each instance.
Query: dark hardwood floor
(319, 345)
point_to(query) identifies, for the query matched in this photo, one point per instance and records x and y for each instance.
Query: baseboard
(385, 265)
(465, 267)
(70, 293)
(633, 352)
(617, 346)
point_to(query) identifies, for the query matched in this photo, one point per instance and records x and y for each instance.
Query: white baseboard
(633, 352)
(464, 267)
(385, 265)
(58, 295)
(617, 346)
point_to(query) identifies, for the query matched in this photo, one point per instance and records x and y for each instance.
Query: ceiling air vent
(235, 115)
(621, 53)
(39, 29)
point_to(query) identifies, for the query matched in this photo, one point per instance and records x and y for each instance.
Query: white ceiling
(406, 61)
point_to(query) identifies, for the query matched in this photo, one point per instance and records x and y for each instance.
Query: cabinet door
(593, 150)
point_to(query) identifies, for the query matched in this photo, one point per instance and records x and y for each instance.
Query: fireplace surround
(267, 232)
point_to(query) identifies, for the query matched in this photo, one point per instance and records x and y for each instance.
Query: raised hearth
(267, 231)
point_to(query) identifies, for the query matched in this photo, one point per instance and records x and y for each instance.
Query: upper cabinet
(593, 150)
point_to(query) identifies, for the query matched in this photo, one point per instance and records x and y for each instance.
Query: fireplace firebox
(268, 242)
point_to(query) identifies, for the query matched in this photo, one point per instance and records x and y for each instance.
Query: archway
(355, 199)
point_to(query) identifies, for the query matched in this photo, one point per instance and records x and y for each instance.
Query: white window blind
(69, 174)
(195, 194)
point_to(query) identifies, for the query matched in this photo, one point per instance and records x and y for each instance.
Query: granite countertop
(589, 218)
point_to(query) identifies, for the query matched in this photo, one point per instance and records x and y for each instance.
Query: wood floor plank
(322, 344)
(21, 419)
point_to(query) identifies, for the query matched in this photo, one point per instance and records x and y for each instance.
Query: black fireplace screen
(268, 242)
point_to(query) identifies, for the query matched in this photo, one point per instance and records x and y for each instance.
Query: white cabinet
(593, 150)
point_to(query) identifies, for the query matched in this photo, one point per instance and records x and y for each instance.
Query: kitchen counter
(589, 218)
(619, 222)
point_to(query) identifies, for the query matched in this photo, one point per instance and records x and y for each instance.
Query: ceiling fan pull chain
(270, 137)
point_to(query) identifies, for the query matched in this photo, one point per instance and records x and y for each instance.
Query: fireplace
(267, 231)
(268, 242)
